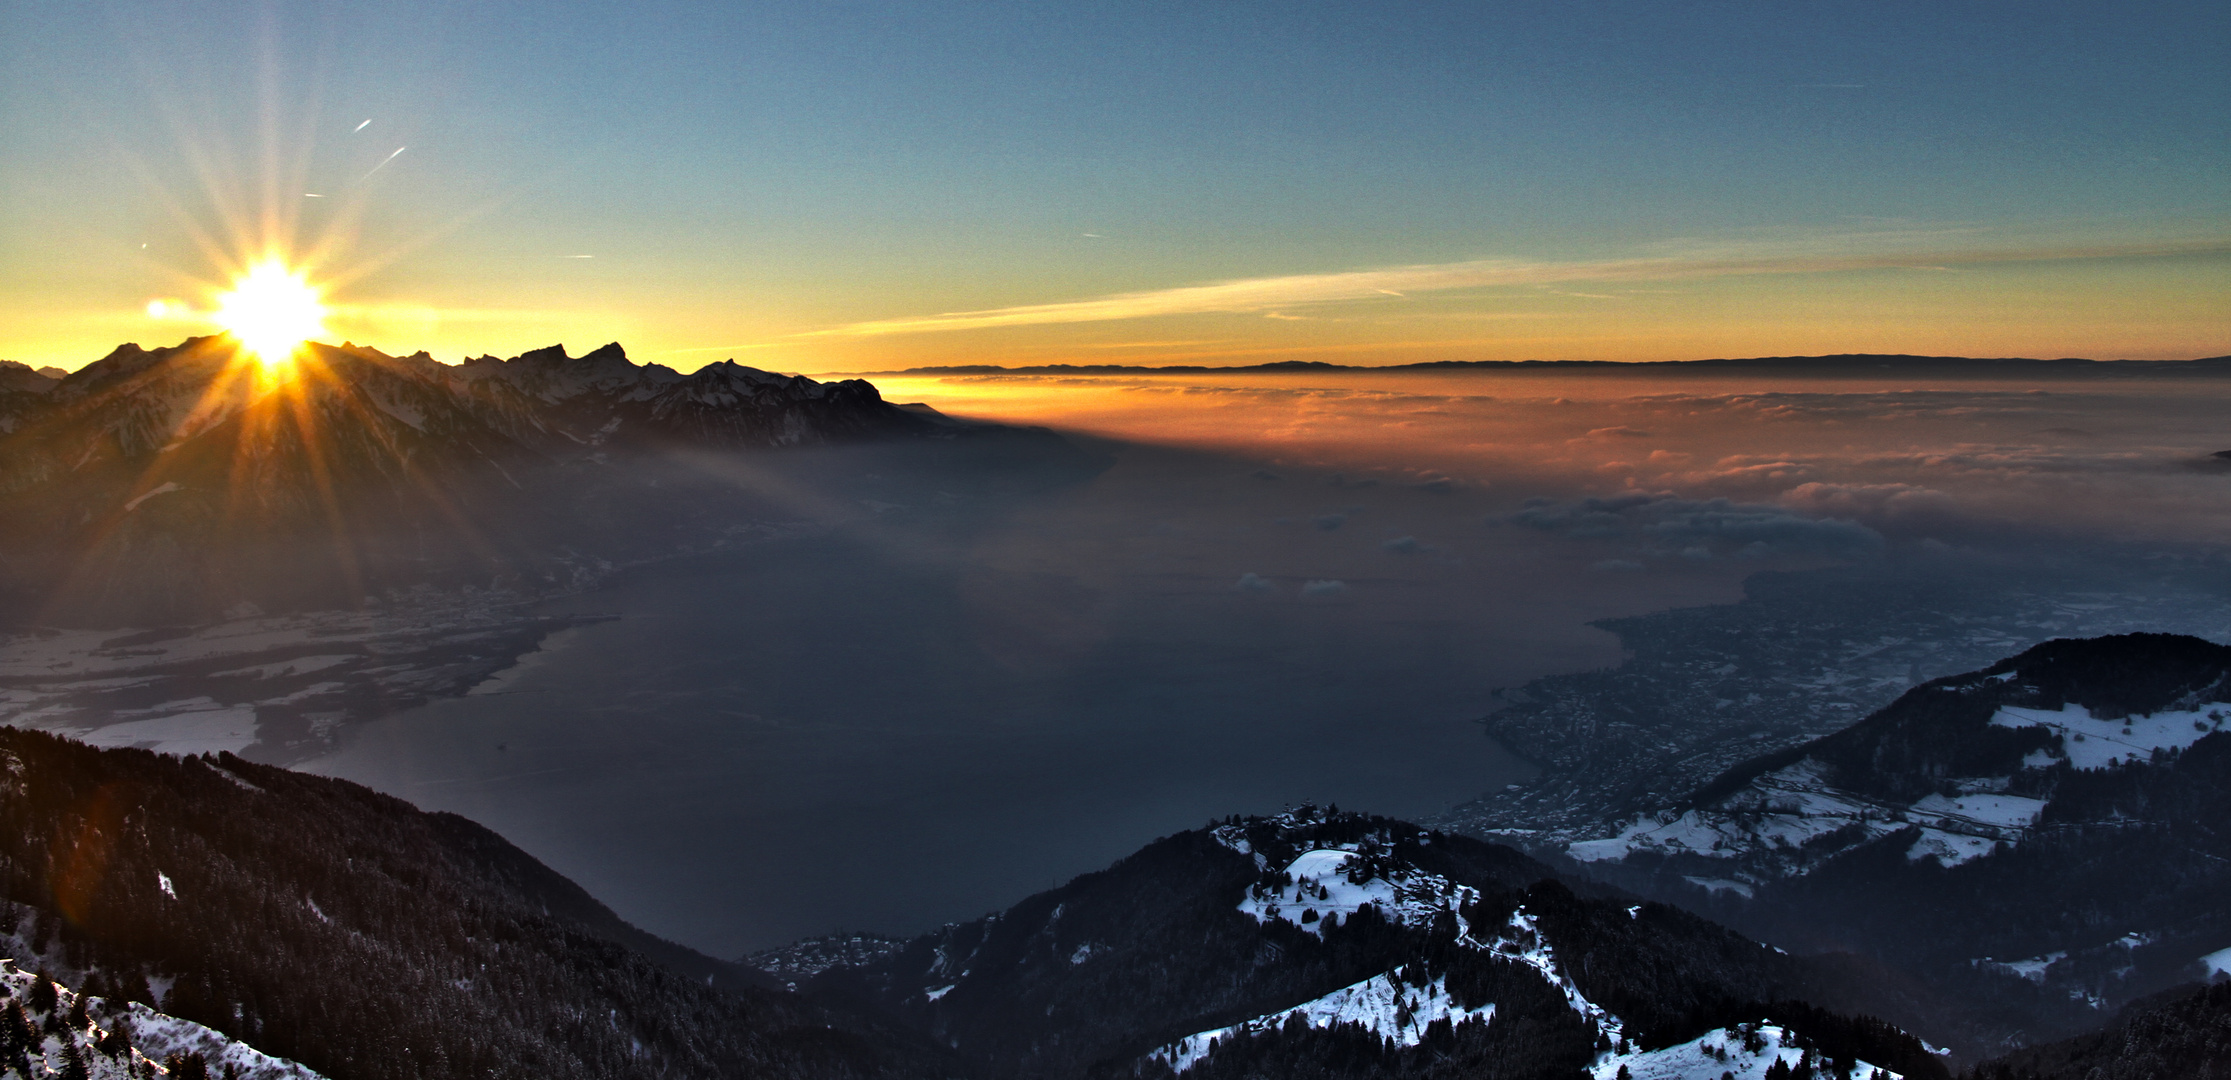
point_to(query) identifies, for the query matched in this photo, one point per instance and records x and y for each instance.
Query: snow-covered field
(1331, 883)
(1782, 811)
(1744, 1052)
(2088, 742)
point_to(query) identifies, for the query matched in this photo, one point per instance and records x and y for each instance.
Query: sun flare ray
(271, 310)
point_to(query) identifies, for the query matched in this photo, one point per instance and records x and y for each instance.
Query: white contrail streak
(383, 162)
(1934, 251)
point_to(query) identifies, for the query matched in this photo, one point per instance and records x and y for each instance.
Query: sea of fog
(938, 696)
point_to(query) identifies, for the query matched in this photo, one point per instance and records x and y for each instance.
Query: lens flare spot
(271, 310)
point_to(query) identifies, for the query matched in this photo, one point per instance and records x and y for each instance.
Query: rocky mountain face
(17, 378)
(1327, 944)
(173, 483)
(2041, 833)
(602, 399)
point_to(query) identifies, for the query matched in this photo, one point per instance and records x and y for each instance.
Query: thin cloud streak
(1248, 295)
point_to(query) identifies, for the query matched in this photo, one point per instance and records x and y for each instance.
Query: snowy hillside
(2038, 783)
(1339, 945)
(49, 1029)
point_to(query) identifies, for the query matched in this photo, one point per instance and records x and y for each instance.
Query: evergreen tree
(73, 1063)
(187, 1066)
(42, 997)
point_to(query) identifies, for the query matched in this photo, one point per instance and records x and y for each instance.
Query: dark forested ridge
(321, 922)
(318, 921)
(2183, 1034)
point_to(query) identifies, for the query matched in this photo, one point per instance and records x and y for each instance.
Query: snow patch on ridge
(1336, 883)
(1384, 1005)
(1786, 808)
(1783, 811)
(1744, 1052)
(2032, 969)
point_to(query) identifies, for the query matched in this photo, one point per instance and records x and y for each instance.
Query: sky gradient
(873, 186)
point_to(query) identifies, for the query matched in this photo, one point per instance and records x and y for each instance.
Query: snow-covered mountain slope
(47, 1029)
(2048, 817)
(1803, 655)
(1324, 944)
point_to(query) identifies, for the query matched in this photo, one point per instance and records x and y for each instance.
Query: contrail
(363, 125)
(1933, 251)
(383, 162)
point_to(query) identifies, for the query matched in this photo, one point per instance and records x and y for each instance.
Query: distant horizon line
(1874, 361)
(2210, 365)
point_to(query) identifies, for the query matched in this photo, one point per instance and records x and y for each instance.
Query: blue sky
(803, 185)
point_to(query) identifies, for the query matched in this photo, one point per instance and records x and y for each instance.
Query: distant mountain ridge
(1829, 365)
(169, 483)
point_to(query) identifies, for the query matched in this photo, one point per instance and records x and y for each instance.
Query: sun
(271, 310)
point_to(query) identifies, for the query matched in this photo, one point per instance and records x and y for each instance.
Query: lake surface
(922, 715)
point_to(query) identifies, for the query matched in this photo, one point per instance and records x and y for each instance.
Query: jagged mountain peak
(130, 477)
(549, 375)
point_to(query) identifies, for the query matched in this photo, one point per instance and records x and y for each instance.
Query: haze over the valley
(1281, 589)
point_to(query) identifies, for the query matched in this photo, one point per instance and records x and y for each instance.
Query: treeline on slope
(1090, 978)
(322, 922)
(2185, 1034)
